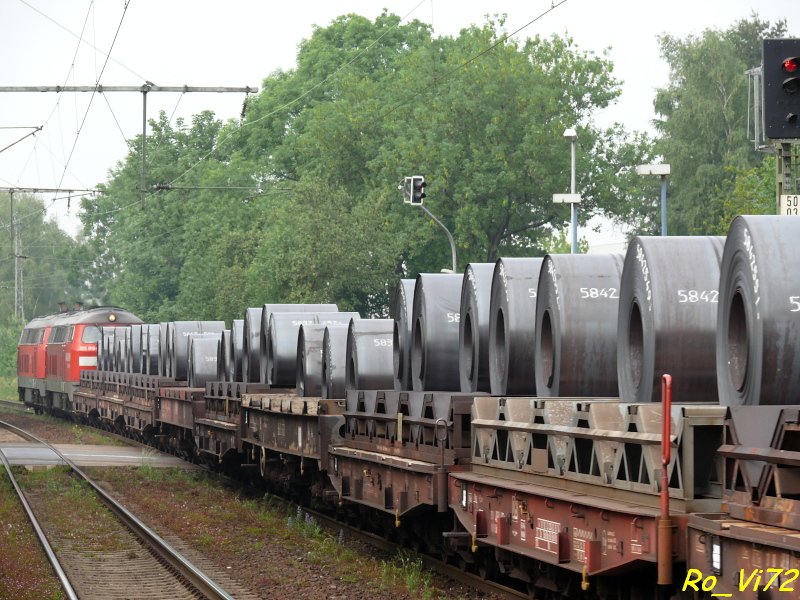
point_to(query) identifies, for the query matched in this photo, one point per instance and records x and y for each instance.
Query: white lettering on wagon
(547, 535)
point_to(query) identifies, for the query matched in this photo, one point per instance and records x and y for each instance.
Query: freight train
(511, 419)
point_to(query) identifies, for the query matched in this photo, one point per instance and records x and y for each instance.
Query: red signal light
(791, 65)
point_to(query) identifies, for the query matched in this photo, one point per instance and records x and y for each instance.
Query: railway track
(447, 570)
(142, 560)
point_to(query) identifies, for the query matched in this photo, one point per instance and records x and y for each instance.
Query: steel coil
(369, 361)
(667, 318)
(251, 334)
(224, 356)
(150, 354)
(163, 349)
(237, 349)
(134, 350)
(203, 350)
(334, 355)
(434, 336)
(512, 326)
(284, 328)
(105, 354)
(402, 313)
(181, 330)
(758, 333)
(121, 350)
(577, 304)
(309, 360)
(473, 332)
(264, 343)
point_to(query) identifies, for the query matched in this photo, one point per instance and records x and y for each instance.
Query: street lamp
(413, 189)
(661, 171)
(572, 198)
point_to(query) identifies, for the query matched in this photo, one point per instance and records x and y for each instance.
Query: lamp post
(661, 171)
(572, 198)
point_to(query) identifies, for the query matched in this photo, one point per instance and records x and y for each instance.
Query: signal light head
(791, 65)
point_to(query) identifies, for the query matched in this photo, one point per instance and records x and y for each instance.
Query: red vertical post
(664, 552)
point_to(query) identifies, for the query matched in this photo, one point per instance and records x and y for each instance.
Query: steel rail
(199, 580)
(48, 550)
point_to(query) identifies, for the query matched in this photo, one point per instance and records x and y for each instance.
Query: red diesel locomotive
(54, 349)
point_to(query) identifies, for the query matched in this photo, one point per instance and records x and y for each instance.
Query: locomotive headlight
(112, 317)
(464, 496)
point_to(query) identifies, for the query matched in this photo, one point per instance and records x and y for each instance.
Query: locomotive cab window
(91, 334)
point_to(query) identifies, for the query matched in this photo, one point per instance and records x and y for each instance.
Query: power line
(86, 114)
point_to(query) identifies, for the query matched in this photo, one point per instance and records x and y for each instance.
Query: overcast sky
(238, 43)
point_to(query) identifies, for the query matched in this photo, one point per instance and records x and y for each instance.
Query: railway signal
(781, 72)
(417, 189)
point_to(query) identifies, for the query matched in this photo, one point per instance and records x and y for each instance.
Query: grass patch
(407, 568)
(25, 573)
(68, 507)
(8, 388)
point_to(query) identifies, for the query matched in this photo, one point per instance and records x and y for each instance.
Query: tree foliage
(326, 144)
(703, 122)
(51, 268)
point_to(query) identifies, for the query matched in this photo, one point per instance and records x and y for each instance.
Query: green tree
(51, 271)
(703, 120)
(325, 145)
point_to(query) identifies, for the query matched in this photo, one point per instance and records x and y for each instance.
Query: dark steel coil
(181, 330)
(668, 318)
(473, 332)
(264, 343)
(758, 332)
(402, 313)
(105, 355)
(369, 360)
(284, 328)
(309, 360)
(577, 305)
(237, 349)
(512, 326)
(163, 349)
(151, 349)
(224, 356)
(434, 336)
(334, 356)
(121, 350)
(203, 350)
(134, 351)
(251, 334)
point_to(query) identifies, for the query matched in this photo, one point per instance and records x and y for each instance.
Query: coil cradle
(577, 304)
(668, 318)
(473, 333)
(512, 326)
(434, 337)
(369, 360)
(402, 313)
